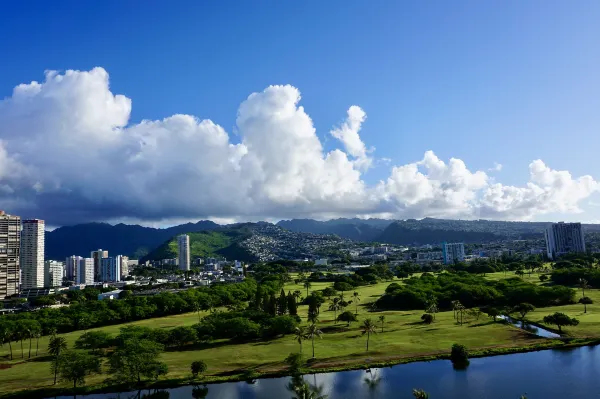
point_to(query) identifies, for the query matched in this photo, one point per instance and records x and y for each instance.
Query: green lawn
(404, 336)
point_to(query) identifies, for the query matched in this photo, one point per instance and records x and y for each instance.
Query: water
(539, 331)
(545, 374)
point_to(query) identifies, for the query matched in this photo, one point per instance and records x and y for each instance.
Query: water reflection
(539, 331)
(543, 375)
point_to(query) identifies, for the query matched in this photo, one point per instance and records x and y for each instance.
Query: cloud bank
(68, 154)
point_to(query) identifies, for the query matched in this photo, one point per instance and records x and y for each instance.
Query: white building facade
(53, 273)
(85, 271)
(563, 238)
(72, 268)
(183, 247)
(453, 252)
(32, 254)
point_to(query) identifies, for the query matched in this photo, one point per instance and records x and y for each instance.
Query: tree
(329, 292)
(94, 341)
(585, 301)
(335, 306)
(136, 358)
(427, 318)
(523, 309)
(291, 305)
(432, 306)
(295, 362)
(299, 335)
(182, 335)
(356, 300)
(20, 333)
(382, 321)
(198, 368)
(368, 327)
(307, 285)
(560, 319)
(75, 365)
(520, 273)
(7, 329)
(297, 294)
(493, 313)
(543, 277)
(348, 317)
(282, 303)
(420, 394)
(313, 316)
(272, 310)
(56, 347)
(583, 283)
(311, 333)
(459, 355)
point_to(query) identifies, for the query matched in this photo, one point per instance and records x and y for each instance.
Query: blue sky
(508, 82)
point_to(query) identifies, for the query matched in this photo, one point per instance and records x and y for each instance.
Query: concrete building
(432, 256)
(453, 252)
(563, 238)
(97, 256)
(183, 246)
(10, 247)
(85, 271)
(32, 253)
(321, 262)
(124, 266)
(72, 267)
(109, 295)
(110, 269)
(53, 273)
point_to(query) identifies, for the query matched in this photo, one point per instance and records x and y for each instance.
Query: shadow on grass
(486, 323)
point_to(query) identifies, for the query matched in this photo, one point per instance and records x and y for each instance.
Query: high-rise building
(562, 238)
(10, 247)
(32, 254)
(72, 268)
(124, 267)
(183, 246)
(111, 269)
(453, 252)
(85, 270)
(98, 256)
(53, 273)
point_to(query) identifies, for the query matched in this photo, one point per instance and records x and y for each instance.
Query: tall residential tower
(10, 246)
(562, 238)
(32, 254)
(183, 246)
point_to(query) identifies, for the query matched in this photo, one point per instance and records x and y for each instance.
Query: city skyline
(387, 118)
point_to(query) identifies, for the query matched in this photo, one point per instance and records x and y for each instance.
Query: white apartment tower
(453, 252)
(10, 247)
(111, 270)
(124, 267)
(562, 238)
(183, 247)
(32, 254)
(53, 273)
(85, 271)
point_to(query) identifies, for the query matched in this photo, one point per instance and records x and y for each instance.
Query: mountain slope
(353, 229)
(224, 242)
(130, 240)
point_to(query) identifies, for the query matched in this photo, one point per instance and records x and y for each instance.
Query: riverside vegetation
(346, 319)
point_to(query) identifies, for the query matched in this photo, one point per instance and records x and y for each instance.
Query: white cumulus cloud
(68, 154)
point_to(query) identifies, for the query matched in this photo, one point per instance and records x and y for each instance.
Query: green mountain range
(222, 242)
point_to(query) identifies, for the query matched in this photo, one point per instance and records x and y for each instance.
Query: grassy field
(403, 336)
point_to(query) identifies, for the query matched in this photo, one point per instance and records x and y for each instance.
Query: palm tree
(7, 332)
(313, 317)
(299, 335)
(583, 283)
(382, 320)
(307, 285)
(356, 299)
(454, 307)
(297, 294)
(311, 333)
(37, 333)
(335, 306)
(56, 346)
(368, 328)
(420, 394)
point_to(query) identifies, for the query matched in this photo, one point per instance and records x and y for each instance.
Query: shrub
(295, 362)
(459, 355)
(198, 368)
(348, 317)
(427, 318)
